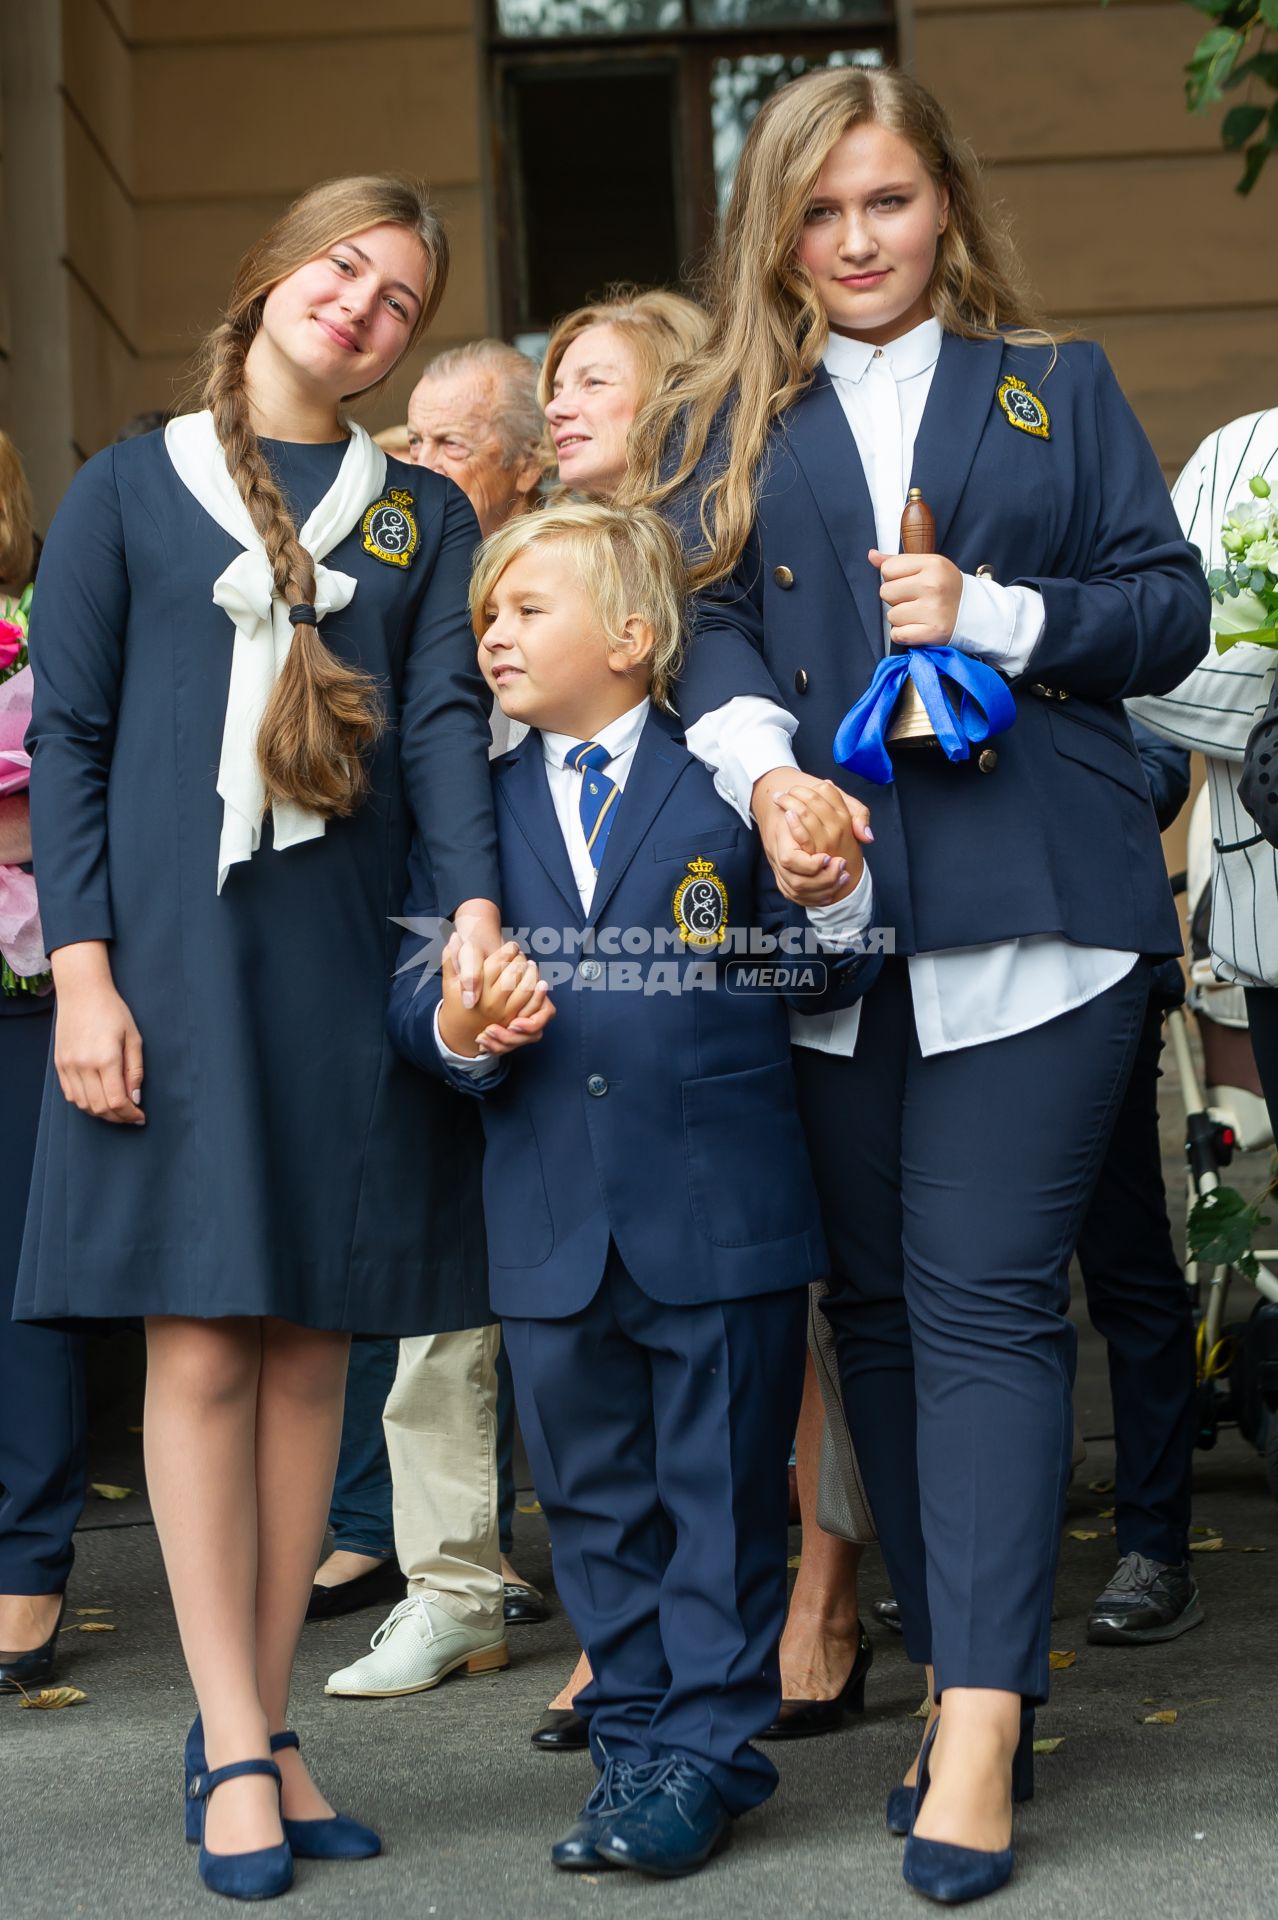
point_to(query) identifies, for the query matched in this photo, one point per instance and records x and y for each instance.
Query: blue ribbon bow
(985, 707)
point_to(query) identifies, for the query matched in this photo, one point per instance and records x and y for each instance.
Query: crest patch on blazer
(1023, 408)
(390, 531)
(701, 905)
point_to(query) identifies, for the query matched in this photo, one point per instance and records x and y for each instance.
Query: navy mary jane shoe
(900, 1800)
(950, 1874)
(336, 1837)
(259, 1875)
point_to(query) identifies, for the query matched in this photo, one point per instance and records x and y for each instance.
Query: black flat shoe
(35, 1668)
(522, 1606)
(560, 1730)
(804, 1719)
(372, 1589)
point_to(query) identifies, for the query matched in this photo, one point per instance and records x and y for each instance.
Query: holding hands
(812, 833)
(922, 593)
(511, 1006)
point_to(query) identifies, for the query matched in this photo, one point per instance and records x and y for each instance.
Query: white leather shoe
(416, 1645)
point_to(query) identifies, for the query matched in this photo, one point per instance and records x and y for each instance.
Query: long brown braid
(322, 716)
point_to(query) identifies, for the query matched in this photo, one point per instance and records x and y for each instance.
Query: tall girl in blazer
(253, 678)
(868, 335)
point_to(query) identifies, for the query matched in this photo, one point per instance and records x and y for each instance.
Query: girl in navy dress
(869, 336)
(253, 673)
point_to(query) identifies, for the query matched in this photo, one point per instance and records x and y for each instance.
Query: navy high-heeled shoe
(337, 1837)
(944, 1872)
(259, 1875)
(900, 1800)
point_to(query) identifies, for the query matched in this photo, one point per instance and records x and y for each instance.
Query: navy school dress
(291, 1163)
(953, 1186)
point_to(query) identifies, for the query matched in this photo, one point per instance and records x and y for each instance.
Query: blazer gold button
(801, 681)
(783, 576)
(985, 573)
(988, 760)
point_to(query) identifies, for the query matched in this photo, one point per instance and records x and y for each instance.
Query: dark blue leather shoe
(947, 1873)
(672, 1827)
(614, 1789)
(336, 1838)
(900, 1800)
(259, 1875)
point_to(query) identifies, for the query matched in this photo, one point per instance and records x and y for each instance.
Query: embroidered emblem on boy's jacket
(390, 531)
(1023, 408)
(701, 905)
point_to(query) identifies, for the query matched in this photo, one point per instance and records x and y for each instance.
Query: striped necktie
(599, 795)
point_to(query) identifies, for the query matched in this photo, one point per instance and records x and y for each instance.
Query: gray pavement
(1170, 1820)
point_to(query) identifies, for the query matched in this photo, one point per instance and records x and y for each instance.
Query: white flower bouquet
(1245, 589)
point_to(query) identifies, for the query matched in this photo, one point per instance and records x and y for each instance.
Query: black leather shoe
(615, 1789)
(672, 1827)
(522, 1606)
(888, 1614)
(1144, 1601)
(372, 1589)
(34, 1668)
(804, 1719)
(560, 1730)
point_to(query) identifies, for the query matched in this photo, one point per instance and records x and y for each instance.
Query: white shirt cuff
(839, 925)
(1000, 625)
(477, 1066)
(741, 741)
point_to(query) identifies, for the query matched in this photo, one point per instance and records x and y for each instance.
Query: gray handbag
(843, 1506)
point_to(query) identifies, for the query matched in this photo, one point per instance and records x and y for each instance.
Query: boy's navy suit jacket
(665, 1122)
(1051, 832)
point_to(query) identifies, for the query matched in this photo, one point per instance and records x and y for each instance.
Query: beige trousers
(441, 1435)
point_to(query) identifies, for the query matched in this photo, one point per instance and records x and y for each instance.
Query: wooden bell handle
(918, 527)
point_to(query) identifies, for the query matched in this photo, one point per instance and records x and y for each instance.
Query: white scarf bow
(263, 633)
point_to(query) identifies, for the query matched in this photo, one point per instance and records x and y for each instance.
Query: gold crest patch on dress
(1023, 408)
(701, 906)
(390, 531)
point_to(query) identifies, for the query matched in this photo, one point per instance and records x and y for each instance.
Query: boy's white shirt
(837, 925)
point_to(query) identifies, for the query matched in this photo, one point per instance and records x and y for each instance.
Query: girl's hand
(807, 877)
(479, 924)
(922, 592)
(822, 820)
(511, 1005)
(97, 1049)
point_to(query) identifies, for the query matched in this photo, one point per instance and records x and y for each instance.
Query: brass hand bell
(910, 725)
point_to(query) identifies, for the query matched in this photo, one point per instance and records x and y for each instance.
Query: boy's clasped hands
(512, 1009)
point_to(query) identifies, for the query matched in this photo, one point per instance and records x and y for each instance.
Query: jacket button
(597, 1085)
(988, 760)
(801, 680)
(985, 573)
(783, 576)
(589, 970)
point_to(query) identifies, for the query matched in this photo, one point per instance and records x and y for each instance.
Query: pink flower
(15, 717)
(12, 641)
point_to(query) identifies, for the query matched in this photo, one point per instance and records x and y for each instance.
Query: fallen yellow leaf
(1059, 1661)
(794, 1560)
(1100, 1486)
(1251, 1549)
(534, 1508)
(1049, 1746)
(1106, 1513)
(921, 1712)
(86, 1611)
(1205, 1533)
(106, 1492)
(1150, 1700)
(1080, 1533)
(95, 1626)
(1165, 1718)
(49, 1698)
(1207, 1546)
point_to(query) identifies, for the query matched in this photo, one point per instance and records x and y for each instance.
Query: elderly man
(473, 416)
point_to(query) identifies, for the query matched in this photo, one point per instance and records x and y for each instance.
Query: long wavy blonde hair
(663, 330)
(17, 539)
(768, 328)
(322, 715)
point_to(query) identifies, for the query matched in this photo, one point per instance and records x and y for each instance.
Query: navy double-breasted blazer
(662, 1119)
(1054, 833)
